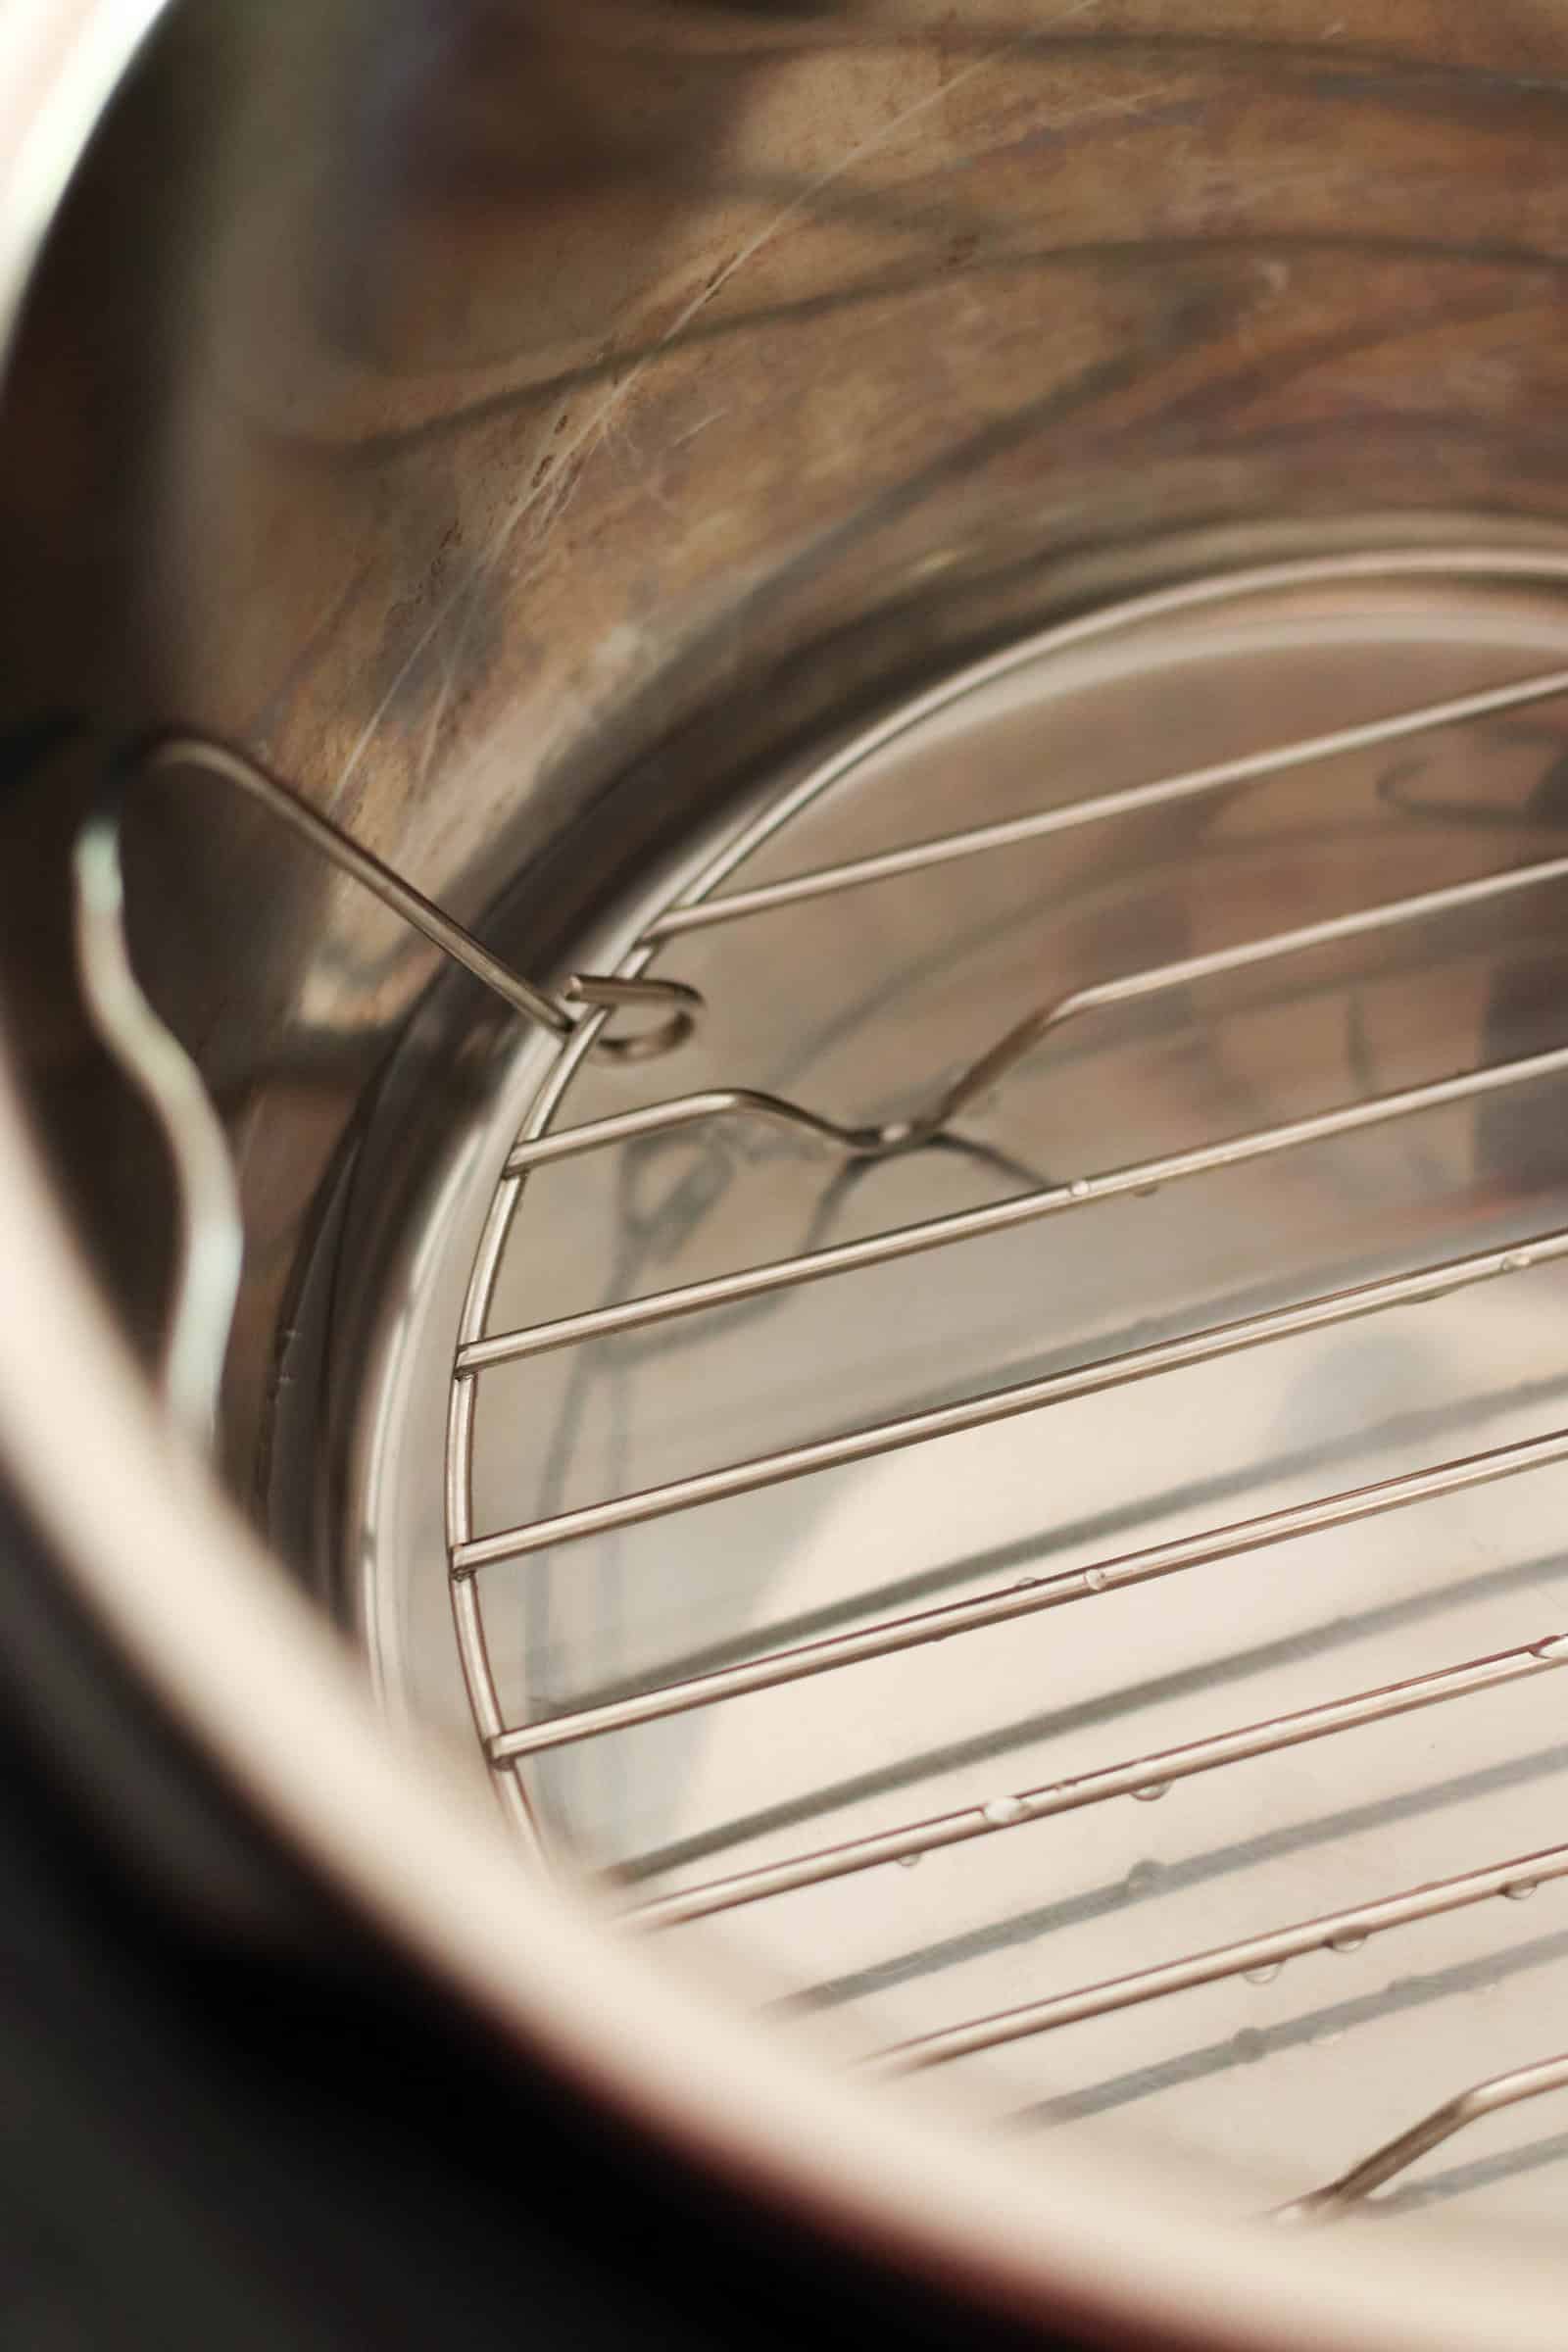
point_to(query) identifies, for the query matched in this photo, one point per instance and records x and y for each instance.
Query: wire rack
(703, 906)
(709, 901)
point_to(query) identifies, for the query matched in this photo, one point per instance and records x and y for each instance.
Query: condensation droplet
(1145, 1192)
(1142, 1877)
(1521, 1891)
(1151, 1792)
(1264, 1974)
(1556, 1647)
(1026, 1584)
(910, 1861)
(1351, 1940)
(1001, 1811)
(1096, 1579)
(1517, 1261)
(1079, 1187)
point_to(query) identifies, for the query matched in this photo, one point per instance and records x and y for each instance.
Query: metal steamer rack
(598, 1015)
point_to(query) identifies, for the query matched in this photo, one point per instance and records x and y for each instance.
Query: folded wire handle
(1341, 2196)
(210, 1239)
(584, 994)
(210, 1234)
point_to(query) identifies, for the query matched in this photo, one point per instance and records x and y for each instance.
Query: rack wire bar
(962, 1225)
(1341, 1930)
(1029, 1595)
(1021, 1037)
(1142, 1774)
(1250, 767)
(1018, 1042)
(1340, 2197)
(905, 1430)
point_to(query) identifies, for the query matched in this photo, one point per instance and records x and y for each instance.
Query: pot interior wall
(523, 425)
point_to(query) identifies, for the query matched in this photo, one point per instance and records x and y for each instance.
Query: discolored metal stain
(581, 406)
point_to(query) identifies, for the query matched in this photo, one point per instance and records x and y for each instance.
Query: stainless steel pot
(537, 434)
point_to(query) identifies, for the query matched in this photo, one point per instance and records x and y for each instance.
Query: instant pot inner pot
(1025, 564)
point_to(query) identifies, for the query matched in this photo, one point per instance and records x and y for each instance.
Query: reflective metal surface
(534, 430)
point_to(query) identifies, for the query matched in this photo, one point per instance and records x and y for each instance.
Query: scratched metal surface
(522, 425)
